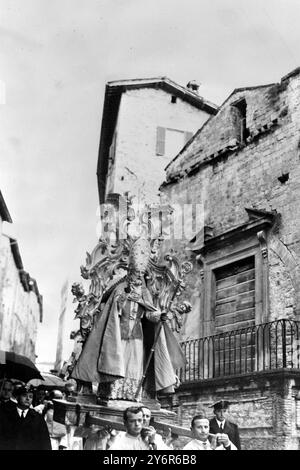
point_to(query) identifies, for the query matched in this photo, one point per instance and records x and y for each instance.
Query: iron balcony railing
(268, 346)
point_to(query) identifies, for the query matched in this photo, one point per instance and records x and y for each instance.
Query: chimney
(193, 85)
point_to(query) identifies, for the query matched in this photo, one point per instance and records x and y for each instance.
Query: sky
(55, 59)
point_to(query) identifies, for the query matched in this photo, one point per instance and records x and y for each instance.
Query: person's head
(146, 416)
(133, 420)
(6, 390)
(56, 395)
(221, 409)
(40, 394)
(70, 389)
(200, 426)
(24, 397)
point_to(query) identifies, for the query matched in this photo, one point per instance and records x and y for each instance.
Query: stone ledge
(236, 380)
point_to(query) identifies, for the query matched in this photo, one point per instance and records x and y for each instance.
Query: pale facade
(20, 301)
(144, 125)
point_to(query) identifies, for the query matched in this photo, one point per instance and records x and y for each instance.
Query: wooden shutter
(235, 296)
(160, 140)
(112, 148)
(188, 136)
(235, 310)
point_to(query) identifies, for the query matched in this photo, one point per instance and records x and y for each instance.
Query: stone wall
(224, 178)
(265, 406)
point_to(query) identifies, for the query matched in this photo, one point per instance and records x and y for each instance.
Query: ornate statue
(69, 365)
(85, 309)
(132, 307)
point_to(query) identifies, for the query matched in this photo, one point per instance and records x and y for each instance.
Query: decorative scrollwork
(140, 251)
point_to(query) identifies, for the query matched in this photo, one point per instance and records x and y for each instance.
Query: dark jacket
(230, 429)
(8, 405)
(29, 433)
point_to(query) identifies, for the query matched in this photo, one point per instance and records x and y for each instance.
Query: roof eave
(4, 212)
(168, 85)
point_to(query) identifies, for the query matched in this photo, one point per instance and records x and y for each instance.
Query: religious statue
(131, 348)
(85, 309)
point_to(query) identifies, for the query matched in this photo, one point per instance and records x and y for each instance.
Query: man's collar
(20, 411)
(206, 444)
(131, 436)
(221, 422)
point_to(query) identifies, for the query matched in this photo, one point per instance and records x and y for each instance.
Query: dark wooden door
(234, 316)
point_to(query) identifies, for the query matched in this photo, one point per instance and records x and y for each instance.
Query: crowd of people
(217, 433)
(26, 418)
(26, 423)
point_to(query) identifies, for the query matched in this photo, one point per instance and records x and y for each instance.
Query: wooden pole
(154, 345)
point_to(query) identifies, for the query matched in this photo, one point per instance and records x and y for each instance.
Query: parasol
(16, 366)
(48, 380)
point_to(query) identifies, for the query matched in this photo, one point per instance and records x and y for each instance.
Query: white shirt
(125, 441)
(161, 445)
(39, 408)
(22, 411)
(195, 444)
(221, 424)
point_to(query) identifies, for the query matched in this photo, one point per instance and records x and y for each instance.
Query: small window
(188, 136)
(173, 99)
(170, 141)
(240, 120)
(160, 140)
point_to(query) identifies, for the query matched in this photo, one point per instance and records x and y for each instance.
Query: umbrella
(48, 380)
(16, 366)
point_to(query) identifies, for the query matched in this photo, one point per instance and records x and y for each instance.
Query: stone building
(145, 123)
(242, 338)
(21, 307)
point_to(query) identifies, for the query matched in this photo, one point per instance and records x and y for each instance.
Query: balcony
(266, 347)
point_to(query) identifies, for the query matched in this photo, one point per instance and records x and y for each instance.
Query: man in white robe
(131, 439)
(203, 440)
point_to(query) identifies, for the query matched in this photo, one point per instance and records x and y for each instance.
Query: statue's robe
(102, 359)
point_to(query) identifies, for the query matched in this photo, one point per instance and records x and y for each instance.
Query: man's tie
(221, 426)
(23, 414)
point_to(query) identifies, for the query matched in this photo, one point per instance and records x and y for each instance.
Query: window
(235, 310)
(169, 141)
(240, 120)
(160, 140)
(235, 295)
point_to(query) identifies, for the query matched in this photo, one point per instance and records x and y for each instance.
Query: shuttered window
(160, 140)
(188, 136)
(235, 296)
(170, 141)
(235, 310)
(239, 116)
